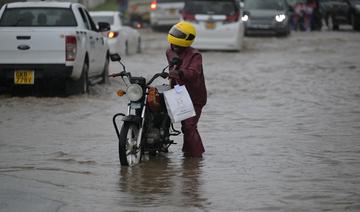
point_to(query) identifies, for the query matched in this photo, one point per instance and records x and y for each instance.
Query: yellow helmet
(182, 34)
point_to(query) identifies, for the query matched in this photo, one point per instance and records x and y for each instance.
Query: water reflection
(163, 181)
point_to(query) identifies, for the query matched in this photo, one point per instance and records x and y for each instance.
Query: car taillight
(188, 16)
(153, 5)
(70, 48)
(112, 34)
(232, 18)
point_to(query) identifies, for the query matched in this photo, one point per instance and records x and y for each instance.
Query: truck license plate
(210, 25)
(24, 77)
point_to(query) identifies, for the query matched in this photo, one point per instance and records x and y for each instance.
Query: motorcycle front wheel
(129, 147)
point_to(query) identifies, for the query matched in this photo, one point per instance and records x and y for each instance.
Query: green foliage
(108, 5)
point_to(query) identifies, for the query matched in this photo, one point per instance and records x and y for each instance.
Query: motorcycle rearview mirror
(115, 57)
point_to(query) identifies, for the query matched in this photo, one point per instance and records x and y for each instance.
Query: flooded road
(281, 131)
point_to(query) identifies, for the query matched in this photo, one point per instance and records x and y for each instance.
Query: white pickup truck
(51, 42)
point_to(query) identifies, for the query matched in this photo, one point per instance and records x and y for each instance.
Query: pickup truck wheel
(83, 82)
(105, 74)
(79, 86)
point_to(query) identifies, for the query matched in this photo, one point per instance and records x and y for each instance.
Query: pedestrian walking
(186, 68)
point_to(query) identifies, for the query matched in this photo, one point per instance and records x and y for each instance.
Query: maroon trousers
(192, 145)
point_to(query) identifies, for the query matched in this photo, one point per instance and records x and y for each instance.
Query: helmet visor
(177, 33)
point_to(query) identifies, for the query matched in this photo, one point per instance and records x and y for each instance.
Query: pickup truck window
(38, 17)
(92, 23)
(85, 20)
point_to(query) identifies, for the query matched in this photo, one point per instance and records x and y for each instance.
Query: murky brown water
(281, 132)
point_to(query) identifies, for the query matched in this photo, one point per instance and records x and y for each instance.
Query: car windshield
(223, 7)
(38, 17)
(107, 19)
(264, 4)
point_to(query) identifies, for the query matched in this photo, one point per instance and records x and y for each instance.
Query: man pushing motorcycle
(185, 65)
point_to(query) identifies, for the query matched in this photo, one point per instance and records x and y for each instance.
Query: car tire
(127, 52)
(105, 73)
(334, 25)
(80, 86)
(138, 49)
(355, 22)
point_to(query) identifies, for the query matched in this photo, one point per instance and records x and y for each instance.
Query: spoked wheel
(129, 147)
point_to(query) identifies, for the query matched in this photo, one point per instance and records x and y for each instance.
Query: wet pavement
(281, 131)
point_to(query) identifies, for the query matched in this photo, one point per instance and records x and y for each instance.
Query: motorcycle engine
(153, 136)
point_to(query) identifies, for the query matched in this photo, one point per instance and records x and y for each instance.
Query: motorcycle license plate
(24, 77)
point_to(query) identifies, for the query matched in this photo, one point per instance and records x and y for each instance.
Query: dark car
(341, 12)
(271, 16)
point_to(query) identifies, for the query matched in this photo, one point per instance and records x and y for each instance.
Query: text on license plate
(24, 77)
(210, 25)
(172, 11)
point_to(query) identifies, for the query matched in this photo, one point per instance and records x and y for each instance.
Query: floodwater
(281, 131)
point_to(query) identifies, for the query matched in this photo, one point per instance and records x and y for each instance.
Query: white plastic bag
(179, 104)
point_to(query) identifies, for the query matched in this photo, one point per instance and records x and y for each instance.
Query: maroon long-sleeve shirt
(192, 75)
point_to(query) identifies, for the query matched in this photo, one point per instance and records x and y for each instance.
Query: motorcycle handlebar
(163, 74)
(121, 74)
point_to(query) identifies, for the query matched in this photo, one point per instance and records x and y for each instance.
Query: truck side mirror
(104, 26)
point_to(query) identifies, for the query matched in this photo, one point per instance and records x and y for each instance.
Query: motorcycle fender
(132, 119)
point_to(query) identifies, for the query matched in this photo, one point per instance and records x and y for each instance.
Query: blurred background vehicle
(165, 13)
(218, 24)
(335, 12)
(139, 12)
(266, 17)
(122, 39)
(341, 12)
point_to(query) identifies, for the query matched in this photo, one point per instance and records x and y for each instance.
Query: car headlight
(357, 6)
(134, 92)
(280, 17)
(245, 18)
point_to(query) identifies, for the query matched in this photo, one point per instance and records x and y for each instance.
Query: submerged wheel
(139, 50)
(105, 73)
(129, 147)
(355, 22)
(127, 51)
(81, 85)
(83, 82)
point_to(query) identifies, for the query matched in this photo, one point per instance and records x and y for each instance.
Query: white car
(218, 24)
(122, 39)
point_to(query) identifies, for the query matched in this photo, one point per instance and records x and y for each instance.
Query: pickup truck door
(100, 43)
(93, 48)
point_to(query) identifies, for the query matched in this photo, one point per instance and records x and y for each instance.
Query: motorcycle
(146, 127)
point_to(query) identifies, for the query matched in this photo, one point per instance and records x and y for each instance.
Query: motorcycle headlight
(134, 92)
(280, 17)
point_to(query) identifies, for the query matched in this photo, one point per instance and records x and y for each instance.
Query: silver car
(165, 13)
(270, 16)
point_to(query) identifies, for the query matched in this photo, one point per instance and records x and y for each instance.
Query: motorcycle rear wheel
(130, 149)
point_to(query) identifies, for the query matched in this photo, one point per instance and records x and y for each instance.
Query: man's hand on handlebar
(176, 61)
